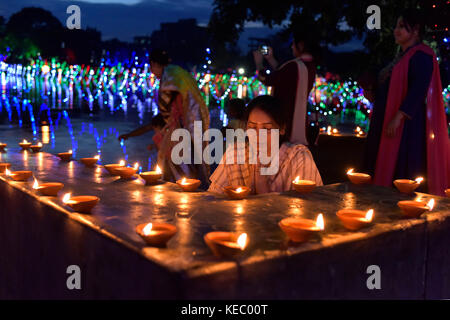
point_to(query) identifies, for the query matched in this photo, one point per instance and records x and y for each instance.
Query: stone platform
(40, 238)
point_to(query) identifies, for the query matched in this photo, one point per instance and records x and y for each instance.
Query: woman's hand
(258, 57)
(393, 126)
(123, 137)
(269, 54)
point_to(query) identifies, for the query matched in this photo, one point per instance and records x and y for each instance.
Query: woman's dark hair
(413, 18)
(158, 121)
(310, 44)
(272, 107)
(236, 108)
(159, 56)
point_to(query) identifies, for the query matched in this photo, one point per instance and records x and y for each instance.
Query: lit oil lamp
(189, 185)
(90, 162)
(25, 145)
(36, 148)
(65, 156)
(299, 229)
(19, 175)
(413, 209)
(111, 168)
(447, 191)
(4, 166)
(127, 172)
(406, 185)
(303, 186)
(152, 177)
(355, 219)
(3, 146)
(49, 188)
(358, 178)
(226, 244)
(237, 193)
(82, 204)
(156, 234)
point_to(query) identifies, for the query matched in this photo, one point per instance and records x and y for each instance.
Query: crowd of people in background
(408, 134)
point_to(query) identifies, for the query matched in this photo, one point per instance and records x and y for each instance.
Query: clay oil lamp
(65, 156)
(226, 244)
(127, 172)
(3, 146)
(358, 178)
(25, 145)
(447, 191)
(303, 186)
(111, 168)
(4, 166)
(156, 234)
(90, 162)
(299, 229)
(36, 148)
(237, 193)
(19, 175)
(413, 208)
(355, 219)
(406, 185)
(83, 204)
(152, 177)
(188, 185)
(48, 189)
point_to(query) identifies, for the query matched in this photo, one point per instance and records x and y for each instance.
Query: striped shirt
(294, 160)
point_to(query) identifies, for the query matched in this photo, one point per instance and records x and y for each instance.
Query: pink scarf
(438, 143)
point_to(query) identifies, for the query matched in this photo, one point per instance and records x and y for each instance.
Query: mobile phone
(264, 49)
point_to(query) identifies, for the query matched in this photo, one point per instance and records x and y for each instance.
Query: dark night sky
(124, 19)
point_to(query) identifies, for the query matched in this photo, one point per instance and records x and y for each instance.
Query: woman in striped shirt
(294, 160)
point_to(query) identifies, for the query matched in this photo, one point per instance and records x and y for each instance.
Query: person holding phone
(292, 82)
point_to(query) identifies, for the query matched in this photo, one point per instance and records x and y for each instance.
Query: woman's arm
(137, 132)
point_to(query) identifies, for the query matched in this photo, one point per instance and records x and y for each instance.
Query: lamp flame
(369, 215)
(242, 241)
(7, 172)
(350, 171)
(320, 223)
(183, 181)
(430, 204)
(122, 163)
(35, 184)
(297, 179)
(70, 151)
(147, 229)
(97, 157)
(39, 144)
(239, 190)
(136, 166)
(158, 169)
(66, 197)
(24, 141)
(419, 180)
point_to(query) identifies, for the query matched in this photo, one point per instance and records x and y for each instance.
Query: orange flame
(296, 180)
(66, 197)
(147, 229)
(430, 204)
(158, 169)
(350, 171)
(419, 180)
(35, 184)
(369, 215)
(122, 163)
(320, 223)
(242, 241)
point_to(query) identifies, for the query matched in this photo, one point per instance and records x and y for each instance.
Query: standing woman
(292, 82)
(408, 134)
(180, 103)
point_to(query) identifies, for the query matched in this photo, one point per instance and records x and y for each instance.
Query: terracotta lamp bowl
(412, 209)
(4, 166)
(190, 186)
(89, 162)
(25, 146)
(447, 192)
(353, 219)
(233, 194)
(36, 148)
(83, 204)
(125, 172)
(65, 156)
(2, 147)
(359, 178)
(223, 244)
(298, 229)
(50, 188)
(406, 185)
(151, 177)
(304, 186)
(111, 168)
(161, 233)
(21, 175)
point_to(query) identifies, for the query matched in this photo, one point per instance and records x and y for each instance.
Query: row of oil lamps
(224, 243)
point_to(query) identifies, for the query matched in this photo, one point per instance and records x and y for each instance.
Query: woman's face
(259, 120)
(402, 35)
(157, 69)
